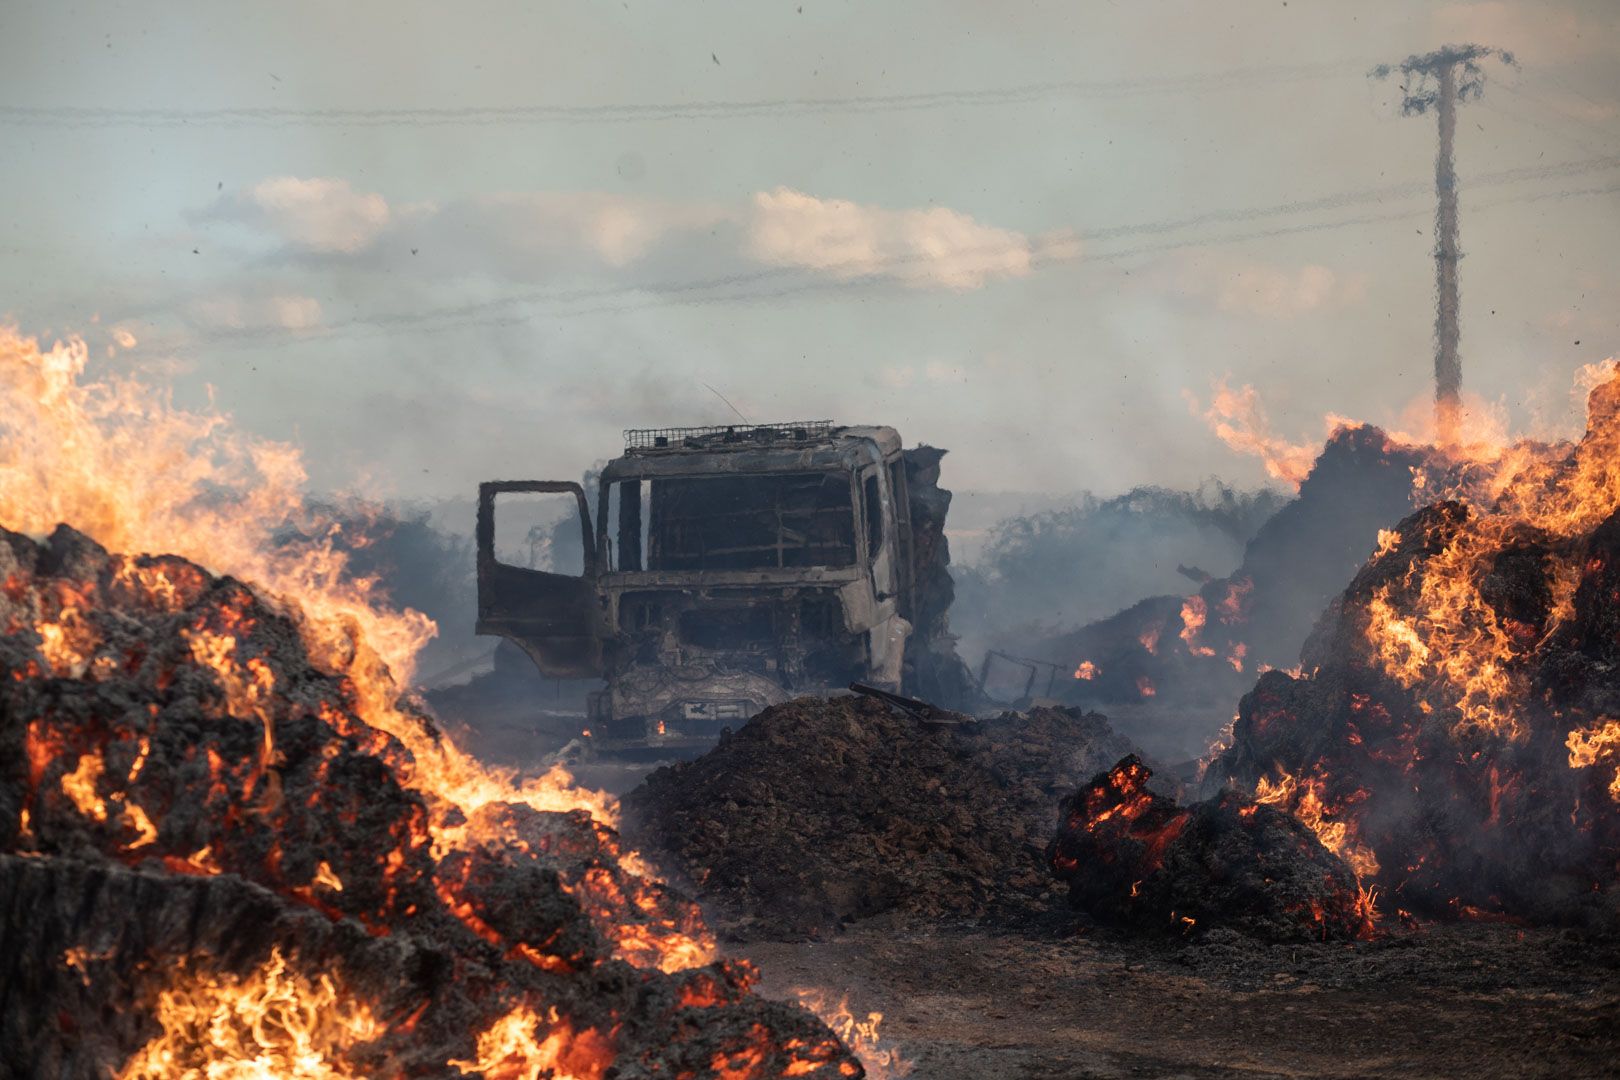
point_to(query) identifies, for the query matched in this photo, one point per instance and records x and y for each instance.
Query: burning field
(230, 847)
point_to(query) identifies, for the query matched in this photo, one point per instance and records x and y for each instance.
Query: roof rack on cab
(698, 438)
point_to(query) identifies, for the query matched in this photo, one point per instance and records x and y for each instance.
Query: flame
(881, 1060)
(1144, 686)
(1239, 420)
(126, 466)
(1194, 612)
(146, 832)
(1599, 743)
(1306, 800)
(326, 878)
(80, 786)
(270, 1023)
(1149, 638)
(122, 463)
(1235, 604)
(509, 1049)
(1477, 431)
(1441, 632)
(1087, 670)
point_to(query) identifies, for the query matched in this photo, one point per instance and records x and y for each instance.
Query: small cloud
(540, 235)
(1248, 287)
(319, 214)
(934, 247)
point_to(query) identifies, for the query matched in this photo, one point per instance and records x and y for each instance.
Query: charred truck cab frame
(729, 568)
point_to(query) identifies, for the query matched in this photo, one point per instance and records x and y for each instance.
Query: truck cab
(726, 569)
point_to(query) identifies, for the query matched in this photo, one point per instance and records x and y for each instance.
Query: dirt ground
(1046, 1002)
(1037, 998)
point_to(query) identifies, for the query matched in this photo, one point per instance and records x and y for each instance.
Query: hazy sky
(435, 244)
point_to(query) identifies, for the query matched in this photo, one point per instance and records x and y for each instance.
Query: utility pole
(1438, 81)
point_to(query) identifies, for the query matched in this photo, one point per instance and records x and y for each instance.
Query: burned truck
(730, 568)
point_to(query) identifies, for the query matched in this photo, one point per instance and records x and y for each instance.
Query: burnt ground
(1048, 1002)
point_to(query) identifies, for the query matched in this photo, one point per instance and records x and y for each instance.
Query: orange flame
(1441, 630)
(881, 1060)
(120, 462)
(1307, 802)
(271, 1023)
(1597, 744)
(510, 1049)
(1239, 420)
(1194, 613)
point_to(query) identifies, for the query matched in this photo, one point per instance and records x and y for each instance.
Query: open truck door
(556, 618)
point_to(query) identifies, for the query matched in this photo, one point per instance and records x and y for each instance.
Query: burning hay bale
(1195, 654)
(822, 811)
(1131, 856)
(211, 858)
(1456, 740)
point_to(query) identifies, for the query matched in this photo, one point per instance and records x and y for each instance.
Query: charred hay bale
(87, 947)
(183, 723)
(823, 811)
(1132, 857)
(645, 921)
(197, 822)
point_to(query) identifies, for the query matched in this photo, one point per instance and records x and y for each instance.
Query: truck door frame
(556, 618)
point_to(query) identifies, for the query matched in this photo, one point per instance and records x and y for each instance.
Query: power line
(479, 115)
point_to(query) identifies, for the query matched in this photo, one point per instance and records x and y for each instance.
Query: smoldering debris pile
(1133, 857)
(1196, 654)
(1456, 738)
(210, 861)
(822, 811)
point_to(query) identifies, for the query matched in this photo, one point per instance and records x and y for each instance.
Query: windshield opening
(749, 522)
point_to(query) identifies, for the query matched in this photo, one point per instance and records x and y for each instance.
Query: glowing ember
(1131, 855)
